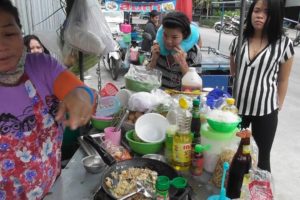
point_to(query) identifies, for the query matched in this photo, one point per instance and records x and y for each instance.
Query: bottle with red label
(198, 159)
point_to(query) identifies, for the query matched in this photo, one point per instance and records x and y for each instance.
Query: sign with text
(160, 6)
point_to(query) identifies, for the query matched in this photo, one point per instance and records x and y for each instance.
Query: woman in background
(34, 45)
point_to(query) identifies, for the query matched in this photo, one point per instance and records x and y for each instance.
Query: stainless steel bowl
(156, 157)
(93, 164)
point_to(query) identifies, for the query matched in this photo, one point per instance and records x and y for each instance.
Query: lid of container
(196, 102)
(162, 183)
(179, 182)
(200, 148)
(210, 133)
(192, 69)
(230, 101)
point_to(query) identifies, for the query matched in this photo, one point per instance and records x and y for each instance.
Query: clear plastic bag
(87, 30)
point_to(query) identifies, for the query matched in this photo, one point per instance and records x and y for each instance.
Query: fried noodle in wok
(126, 181)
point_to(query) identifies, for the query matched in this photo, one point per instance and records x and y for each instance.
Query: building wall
(40, 15)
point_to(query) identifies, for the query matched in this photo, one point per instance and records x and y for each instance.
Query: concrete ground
(284, 160)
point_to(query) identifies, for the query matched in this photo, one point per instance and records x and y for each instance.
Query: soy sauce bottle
(196, 124)
(240, 165)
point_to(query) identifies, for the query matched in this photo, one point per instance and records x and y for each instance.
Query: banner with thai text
(160, 6)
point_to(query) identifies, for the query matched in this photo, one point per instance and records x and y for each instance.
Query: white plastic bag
(87, 30)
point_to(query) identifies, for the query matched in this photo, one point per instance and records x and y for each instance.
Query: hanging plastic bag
(87, 30)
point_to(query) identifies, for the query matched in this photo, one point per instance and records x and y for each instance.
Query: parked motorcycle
(296, 41)
(230, 25)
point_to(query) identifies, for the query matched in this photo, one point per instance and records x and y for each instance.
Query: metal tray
(88, 149)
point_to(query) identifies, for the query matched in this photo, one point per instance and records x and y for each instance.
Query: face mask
(12, 77)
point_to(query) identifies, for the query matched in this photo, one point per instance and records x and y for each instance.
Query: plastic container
(125, 28)
(191, 81)
(109, 90)
(162, 188)
(134, 54)
(217, 142)
(108, 106)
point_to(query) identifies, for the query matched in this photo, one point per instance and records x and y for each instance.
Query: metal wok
(155, 165)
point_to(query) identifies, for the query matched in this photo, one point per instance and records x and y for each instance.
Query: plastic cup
(113, 136)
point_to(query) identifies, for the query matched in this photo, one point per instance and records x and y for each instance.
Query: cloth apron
(30, 161)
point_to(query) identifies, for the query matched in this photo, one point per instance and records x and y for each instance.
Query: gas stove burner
(186, 194)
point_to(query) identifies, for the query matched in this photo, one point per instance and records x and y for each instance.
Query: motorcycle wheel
(114, 68)
(235, 31)
(296, 41)
(218, 28)
(227, 29)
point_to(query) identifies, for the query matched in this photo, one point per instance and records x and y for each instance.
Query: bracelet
(89, 91)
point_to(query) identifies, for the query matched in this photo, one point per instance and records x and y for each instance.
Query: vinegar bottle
(182, 141)
(240, 165)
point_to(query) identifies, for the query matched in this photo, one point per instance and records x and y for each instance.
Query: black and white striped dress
(257, 93)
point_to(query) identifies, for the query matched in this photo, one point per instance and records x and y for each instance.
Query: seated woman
(175, 49)
(34, 45)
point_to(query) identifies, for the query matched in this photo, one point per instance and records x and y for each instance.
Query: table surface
(76, 184)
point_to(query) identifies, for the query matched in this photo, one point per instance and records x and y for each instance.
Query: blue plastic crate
(216, 81)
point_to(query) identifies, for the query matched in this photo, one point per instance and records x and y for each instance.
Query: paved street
(284, 160)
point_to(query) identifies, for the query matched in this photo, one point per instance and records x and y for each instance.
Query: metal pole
(239, 46)
(80, 65)
(222, 22)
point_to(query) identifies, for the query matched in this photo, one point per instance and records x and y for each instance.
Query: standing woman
(262, 81)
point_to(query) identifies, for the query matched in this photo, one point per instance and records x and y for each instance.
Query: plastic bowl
(151, 127)
(141, 147)
(100, 123)
(223, 126)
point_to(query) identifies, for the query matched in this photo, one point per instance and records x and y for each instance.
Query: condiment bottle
(191, 81)
(240, 165)
(196, 124)
(182, 141)
(229, 106)
(198, 159)
(162, 188)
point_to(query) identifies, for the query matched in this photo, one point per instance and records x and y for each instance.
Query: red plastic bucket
(109, 90)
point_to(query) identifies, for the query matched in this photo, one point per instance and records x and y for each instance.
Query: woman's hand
(180, 59)
(155, 52)
(78, 105)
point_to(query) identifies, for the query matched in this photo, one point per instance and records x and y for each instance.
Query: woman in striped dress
(262, 77)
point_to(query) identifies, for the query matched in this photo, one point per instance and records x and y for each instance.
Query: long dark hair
(27, 40)
(6, 5)
(177, 20)
(273, 26)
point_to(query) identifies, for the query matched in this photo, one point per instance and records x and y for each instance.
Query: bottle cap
(162, 183)
(183, 103)
(196, 102)
(200, 148)
(230, 101)
(179, 183)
